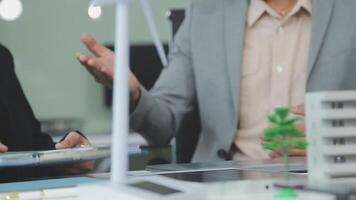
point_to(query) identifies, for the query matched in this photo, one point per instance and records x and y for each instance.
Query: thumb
(3, 148)
(69, 141)
(298, 110)
(93, 45)
(64, 144)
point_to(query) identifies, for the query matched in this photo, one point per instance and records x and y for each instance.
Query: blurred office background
(44, 41)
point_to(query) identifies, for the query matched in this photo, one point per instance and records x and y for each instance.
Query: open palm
(101, 65)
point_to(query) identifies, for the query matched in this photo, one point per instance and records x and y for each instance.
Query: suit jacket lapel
(235, 12)
(322, 11)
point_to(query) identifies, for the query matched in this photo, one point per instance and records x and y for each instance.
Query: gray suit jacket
(205, 63)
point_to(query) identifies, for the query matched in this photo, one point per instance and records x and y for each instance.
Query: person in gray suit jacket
(236, 60)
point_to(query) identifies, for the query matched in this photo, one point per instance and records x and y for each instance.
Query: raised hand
(101, 65)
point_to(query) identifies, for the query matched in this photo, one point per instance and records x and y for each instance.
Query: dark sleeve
(25, 130)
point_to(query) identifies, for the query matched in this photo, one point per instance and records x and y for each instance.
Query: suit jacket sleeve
(159, 112)
(25, 131)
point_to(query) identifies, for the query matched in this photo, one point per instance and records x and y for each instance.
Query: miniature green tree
(282, 137)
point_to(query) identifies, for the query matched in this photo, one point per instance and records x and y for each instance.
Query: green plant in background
(282, 137)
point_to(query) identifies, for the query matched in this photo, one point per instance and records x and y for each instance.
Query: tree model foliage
(282, 137)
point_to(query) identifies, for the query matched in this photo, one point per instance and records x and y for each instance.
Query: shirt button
(222, 154)
(280, 30)
(279, 68)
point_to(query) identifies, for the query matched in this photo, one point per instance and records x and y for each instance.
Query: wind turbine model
(121, 71)
(121, 187)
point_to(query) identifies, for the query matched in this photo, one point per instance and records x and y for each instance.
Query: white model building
(331, 135)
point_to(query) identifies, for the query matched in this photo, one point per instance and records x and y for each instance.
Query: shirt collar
(259, 7)
(307, 5)
(256, 9)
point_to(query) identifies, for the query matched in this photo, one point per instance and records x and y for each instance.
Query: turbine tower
(120, 122)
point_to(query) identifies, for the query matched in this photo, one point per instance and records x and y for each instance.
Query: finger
(274, 154)
(298, 110)
(70, 141)
(82, 57)
(297, 152)
(3, 148)
(93, 46)
(101, 74)
(100, 65)
(291, 152)
(93, 70)
(301, 127)
(92, 65)
(299, 138)
(84, 60)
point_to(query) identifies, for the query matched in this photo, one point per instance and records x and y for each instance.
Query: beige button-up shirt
(273, 71)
